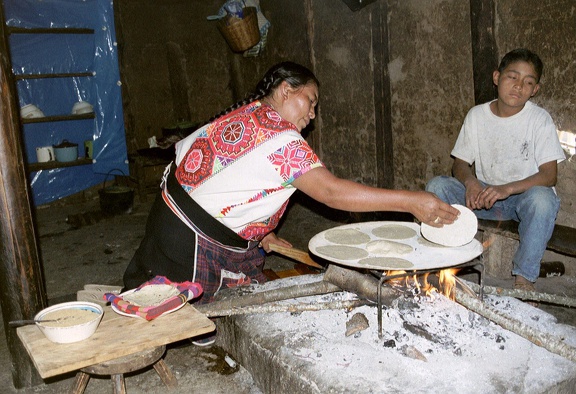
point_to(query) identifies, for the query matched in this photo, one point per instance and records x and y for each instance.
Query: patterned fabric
(240, 168)
(211, 260)
(188, 291)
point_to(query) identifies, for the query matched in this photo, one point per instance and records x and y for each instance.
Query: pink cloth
(188, 291)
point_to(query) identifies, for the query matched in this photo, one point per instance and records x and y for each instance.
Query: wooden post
(22, 291)
(484, 50)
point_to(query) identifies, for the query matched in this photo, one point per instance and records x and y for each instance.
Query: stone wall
(396, 76)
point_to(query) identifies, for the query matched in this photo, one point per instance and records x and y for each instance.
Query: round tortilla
(346, 236)
(386, 248)
(392, 263)
(151, 295)
(424, 242)
(459, 233)
(394, 231)
(342, 252)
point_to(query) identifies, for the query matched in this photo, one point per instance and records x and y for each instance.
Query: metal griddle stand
(384, 277)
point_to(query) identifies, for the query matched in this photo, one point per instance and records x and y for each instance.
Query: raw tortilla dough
(342, 252)
(392, 263)
(151, 295)
(386, 248)
(347, 236)
(424, 242)
(394, 231)
(459, 233)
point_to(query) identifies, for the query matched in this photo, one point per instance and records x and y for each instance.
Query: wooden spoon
(296, 254)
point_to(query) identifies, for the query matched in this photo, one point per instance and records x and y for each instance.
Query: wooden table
(116, 336)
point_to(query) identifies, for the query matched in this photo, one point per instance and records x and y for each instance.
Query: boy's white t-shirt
(508, 149)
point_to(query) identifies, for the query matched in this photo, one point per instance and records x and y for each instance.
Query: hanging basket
(241, 34)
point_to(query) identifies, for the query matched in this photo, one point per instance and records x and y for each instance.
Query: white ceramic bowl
(75, 323)
(82, 107)
(31, 111)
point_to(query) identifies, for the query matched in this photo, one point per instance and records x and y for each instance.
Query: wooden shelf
(49, 165)
(49, 30)
(59, 118)
(55, 75)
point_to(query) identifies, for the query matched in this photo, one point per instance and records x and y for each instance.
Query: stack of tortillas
(151, 295)
(458, 233)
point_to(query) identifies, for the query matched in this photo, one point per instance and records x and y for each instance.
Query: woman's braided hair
(294, 74)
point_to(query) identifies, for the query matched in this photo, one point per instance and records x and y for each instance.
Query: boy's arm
(546, 176)
(463, 172)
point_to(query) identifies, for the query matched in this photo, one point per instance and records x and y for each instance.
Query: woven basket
(241, 34)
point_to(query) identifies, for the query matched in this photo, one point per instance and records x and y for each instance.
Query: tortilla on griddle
(387, 248)
(342, 252)
(394, 231)
(346, 236)
(392, 263)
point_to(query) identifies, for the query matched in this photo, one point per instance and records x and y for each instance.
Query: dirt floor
(79, 245)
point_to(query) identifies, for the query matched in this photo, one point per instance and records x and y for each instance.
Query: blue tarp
(69, 53)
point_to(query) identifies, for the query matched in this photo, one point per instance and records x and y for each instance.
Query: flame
(447, 282)
(427, 288)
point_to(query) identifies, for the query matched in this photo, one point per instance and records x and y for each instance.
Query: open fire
(418, 283)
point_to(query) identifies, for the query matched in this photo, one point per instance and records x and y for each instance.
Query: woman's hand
(429, 209)
(272, 238)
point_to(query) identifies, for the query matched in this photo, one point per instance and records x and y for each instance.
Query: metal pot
(66, 151)
(116, 199)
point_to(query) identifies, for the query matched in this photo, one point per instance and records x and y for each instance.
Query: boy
(514, 148)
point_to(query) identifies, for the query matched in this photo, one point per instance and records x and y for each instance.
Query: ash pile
(425, 345)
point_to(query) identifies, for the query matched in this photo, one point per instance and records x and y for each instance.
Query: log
(274, 307)
(233, 303)
(548, 342)
(522, 294)
(365, 286)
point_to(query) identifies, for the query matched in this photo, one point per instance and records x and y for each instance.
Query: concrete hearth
(429, 345)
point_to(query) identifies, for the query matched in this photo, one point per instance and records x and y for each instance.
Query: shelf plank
(59, 118)
(55, 75)
(49, 165)
(49, 30)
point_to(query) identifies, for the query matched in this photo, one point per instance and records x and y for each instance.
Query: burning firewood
(522, 294)
(548, 342)
(235, 302)
(274, 307)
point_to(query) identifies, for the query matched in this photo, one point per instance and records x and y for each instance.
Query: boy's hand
(490, 194)
(473, 192)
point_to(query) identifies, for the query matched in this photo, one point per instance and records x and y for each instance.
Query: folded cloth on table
(188, 291)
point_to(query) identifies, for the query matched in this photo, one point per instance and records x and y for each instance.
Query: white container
(45, 153)
(82, 107)
(30, 111)
(62, 333)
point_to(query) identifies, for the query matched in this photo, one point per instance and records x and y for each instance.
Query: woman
(230, 184)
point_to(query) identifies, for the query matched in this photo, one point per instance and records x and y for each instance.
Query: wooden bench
(563, 238)
(563, 241)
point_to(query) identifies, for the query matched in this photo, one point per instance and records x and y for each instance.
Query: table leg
(119, 384)
(165, 374)
(80, 383)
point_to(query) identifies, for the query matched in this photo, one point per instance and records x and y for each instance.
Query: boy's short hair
(522, 54)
